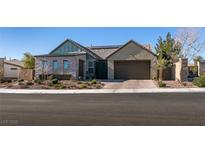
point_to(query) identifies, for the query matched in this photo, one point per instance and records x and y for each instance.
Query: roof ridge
(98, 46)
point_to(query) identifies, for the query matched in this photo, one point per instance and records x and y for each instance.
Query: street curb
(103, 91)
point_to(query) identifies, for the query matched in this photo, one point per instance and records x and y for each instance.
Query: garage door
(132, 70)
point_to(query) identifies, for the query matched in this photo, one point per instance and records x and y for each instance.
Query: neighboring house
(12, 68)
(129, 61)
(1, 68)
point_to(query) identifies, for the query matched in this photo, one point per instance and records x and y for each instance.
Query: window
(91, 67)
(55, 65)
(90, 64)
(66, 65)
(44, 64)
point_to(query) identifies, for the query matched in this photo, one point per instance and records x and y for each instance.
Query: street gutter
(99, 91)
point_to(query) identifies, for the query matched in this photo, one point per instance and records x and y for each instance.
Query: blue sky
(15, 41)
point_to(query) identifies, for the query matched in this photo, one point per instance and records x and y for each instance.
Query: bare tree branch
(191, 43)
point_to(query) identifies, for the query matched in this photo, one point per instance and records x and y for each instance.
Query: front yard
(52, 84)
(174, 84)
(95, 84)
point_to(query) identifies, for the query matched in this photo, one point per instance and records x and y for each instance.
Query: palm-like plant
(28, 60)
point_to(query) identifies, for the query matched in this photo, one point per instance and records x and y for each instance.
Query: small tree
(197, 59)
(29, 60)
(167, 52)
(191, 42)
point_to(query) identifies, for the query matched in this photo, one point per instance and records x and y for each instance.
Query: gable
(69, 47)
(65, 48)
(132, 51)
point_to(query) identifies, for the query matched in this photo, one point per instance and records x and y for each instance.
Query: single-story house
(10, 69)
(129, 61)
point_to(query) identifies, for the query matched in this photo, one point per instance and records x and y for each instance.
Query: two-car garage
(132, 69)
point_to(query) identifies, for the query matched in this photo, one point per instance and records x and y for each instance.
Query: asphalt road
(103, 109)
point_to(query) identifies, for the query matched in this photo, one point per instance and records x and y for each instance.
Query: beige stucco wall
(26, 74)
(1, 68)
(178, 68)
(9, 73)
(132, 52)
(201, 68)
(181, 70)
(74, 68)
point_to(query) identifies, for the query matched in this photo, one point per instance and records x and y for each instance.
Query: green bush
(55, 81)
(82, 86)
(38, 81)
(200, 81)
(57, 86)
(161, 84)
(93, 81)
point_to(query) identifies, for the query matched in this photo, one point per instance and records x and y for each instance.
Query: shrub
(50, 77)
(93, 81)
(161, 84)
(57, 86)
(99, 86)
(62, 87)
(21, 80)
(29, 83)
(21, 83)
(79, 82)
(70, 77)
(9, 81)
(55, 81)
(184, 84)
(50, 84)
(82, 86)
(38, 81)
(200, 81)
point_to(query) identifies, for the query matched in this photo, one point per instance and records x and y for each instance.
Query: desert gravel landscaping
(175, 84)
(50, 84)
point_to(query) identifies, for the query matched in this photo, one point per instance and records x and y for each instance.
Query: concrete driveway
(130, 84)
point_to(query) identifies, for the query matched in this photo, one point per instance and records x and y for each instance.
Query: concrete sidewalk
(88, 91)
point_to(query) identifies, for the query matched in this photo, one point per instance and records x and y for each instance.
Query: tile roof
(68, 54)
(99, 52)
(14, 62)
(104, 51)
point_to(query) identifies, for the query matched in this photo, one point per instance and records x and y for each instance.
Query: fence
(26, 74)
